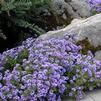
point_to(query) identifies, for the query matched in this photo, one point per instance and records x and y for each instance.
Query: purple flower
(41, 70)
(95, 5)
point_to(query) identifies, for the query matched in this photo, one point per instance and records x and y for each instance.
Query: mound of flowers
(47, 70)
(95, 5)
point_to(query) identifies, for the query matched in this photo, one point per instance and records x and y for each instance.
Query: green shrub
(14, 14)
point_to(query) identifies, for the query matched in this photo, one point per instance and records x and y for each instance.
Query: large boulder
(89, 28)
(72, 8)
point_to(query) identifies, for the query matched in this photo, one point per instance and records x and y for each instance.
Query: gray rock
(98, 55)
(72, 8)
(81, 7)
(94, 95)
(84, 28)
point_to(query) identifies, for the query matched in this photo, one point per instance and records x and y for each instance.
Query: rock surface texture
(72, 8)
(93, 96)
(90, 96)
(98, 55)
(89, 28)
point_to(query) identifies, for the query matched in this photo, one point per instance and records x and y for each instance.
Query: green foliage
(11, 62)
(17, 5)
(22, 55)
(27, 16)
(40, 2)
(14, 13)
(20, 19)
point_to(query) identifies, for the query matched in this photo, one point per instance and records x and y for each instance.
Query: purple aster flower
(95, 5)
(41, 70)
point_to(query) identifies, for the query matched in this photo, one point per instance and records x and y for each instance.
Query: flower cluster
(47, 70)
(95, 5)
